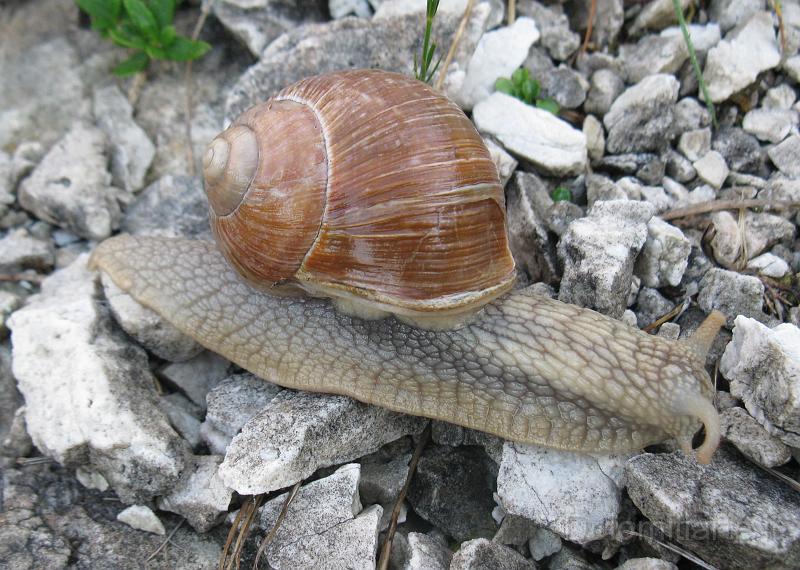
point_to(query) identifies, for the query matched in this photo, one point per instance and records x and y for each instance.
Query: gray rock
(498, 54)
(256, 23)
(704, 36)
(641, 118)
(556, 35)
(514, 530)
(482, 553)
(427, 553)
(553, 146)
(26, 157)
(780, 97)
(141, 517)
(71, 186)
(131, 148)
(572, 494)
(695, 143)
(598, 253)
(353, 43)
(650, 306)
(395, 8)
(171, 206)
(31, 109)
(381, 481)
(657, 196)
(197, 376)
(19, 250)
(608, 19)
(298, 432)
(769, 265)
(6, 184)
(647, 564)
(183, 416)
(765, 230)
(679, 167)
(505, 163)
(779, 188)
(342, 8)
(235, 400)
(200, 496)
(786, 156)
(323, 527)
(543, 544)
(742, 430)
(690, 115)
(656, 16)
(565, 86)
(770, 125)
(595, 137)
(742, 151)
(10, 402)
(604, 88)
(712, 169)
(90, 397)
(731, 293)
(675, 191)
(736, 61)
(730, 513)
(726, 238)
(530, 243)
(731, 13)
(451, 489)
(763, 367)
(653, 54)
(149, 329)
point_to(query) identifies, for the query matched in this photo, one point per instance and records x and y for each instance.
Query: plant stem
(695, 64)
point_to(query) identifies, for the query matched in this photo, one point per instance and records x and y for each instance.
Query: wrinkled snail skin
(526, 368)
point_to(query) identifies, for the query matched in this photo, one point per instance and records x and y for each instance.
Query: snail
(521, 366)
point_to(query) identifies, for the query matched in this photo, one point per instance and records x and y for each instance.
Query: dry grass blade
(187, 78)
(386, 551)
(676, 549)
(717, 205)
(589, 26)
(17, 277)
(512, 11)
(451, 53)
(676, 311)
(778, 475)
(240, 529)
(778, 8)
(274, 530)
(165, 541)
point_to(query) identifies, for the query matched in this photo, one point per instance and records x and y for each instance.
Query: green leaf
(122, 37)
(561, 194)
(536, 88)
(163, 10)
(155, 52)
(142, 18)
(134, 64)
(527, 92)
(184, 49)
(520, 76)
(504, 85)
(168, 35)
(104, 13)
(548, 105)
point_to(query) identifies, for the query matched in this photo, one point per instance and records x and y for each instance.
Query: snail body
(367, 187)
(520, 366)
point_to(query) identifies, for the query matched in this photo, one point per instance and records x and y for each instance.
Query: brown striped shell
(367, 187)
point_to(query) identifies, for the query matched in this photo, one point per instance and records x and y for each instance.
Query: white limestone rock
(742, 430)
(769, 264)
(481, 553)
(575, 495)
(704, 36)
(665, 255)
(200, 496)
(141, 517)
(198, 375)
(712, 169)
(553, 146)
(132, 151)
(770, 125)
(90, 396)
(786, 156)
(498, 54)
(763, 368)
(299, 432)
(736, 61)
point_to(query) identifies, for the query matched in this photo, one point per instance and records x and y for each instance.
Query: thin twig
(187, 78)
(165, 541)
(17, 277)
(716, 205)
(135, 88)
(453, 46)
(671, 314)
(244, 532)
(27, 461)
(231, 534)
(386, 551)
(676, 549)
(274, 530)
(512, 11)
(778, 475)
(589, 26)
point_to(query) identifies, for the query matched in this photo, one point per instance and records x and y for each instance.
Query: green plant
(687, 38)
(144, 26)
(526, 89)
(422, 69)
(561, 194)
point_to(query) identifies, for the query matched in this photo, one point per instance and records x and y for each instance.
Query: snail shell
(367, 187)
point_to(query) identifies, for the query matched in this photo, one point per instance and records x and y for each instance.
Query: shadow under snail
(372, 189)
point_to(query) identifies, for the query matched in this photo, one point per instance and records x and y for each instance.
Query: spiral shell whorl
(229, 165)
